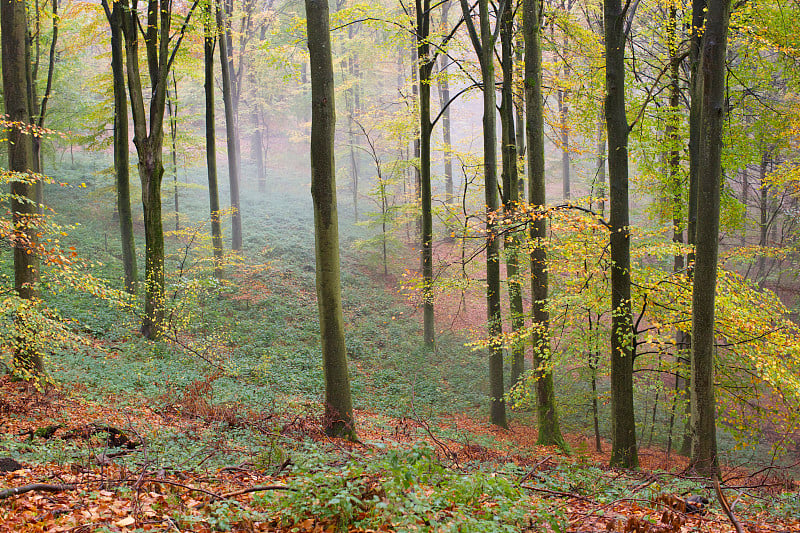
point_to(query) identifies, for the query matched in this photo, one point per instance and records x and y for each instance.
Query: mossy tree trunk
(231, 127)
(121, 153)
(24, 212)
(711, 90)
(338, 419)
(549, 429)
(695, 41)
(623, 421)
(148, 137)
(444, 99)
(209, 42)
(426, 62)
(511, 191)
(483, 40)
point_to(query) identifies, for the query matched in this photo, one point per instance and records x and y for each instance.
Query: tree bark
(148, 137)
(258, 152)
(338, 404)
(511, 192)
(426, 62)
(24, 212)
(623, 422)
(231, 129)
(549, 429)
(698, 19)
(709, 179)
(121, 151)
(444, 99)
(483, 42)
(209, 42)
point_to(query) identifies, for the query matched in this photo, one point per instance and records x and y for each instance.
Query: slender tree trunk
(698, 19)
(483, 42)
(338, 420)
(744, 200)
(417, 134)
(172, 111)
(16, 79)
(352, 111)
(549, 430)
(231, 129)
(511, 193)
(623, 422)
(40, 108)
(258, 153)
(763, 211)
(209, 42)
(709, 177)
(498, 409)
(148, 137)
(121, 151)
(519, 127)
(600, 180)
(677, 186)
(563, 114)
(444, 99)
(425, 67)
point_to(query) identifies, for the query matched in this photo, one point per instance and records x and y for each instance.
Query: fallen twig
(726, 507)
(559, 493)
(40, 487)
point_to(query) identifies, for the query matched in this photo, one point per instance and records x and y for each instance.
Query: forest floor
(219, 429)
(107, 478)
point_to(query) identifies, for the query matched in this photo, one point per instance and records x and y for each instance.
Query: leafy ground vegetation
(217, 427)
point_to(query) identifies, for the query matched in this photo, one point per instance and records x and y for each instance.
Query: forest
(457, 266)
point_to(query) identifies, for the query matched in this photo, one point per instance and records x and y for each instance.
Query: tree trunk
(698, 19)
(338, 419)
(444, 99)
(426, 62)
(40, 108)
(16, 80)
(209, 42)
(600, 180)
(352, 112)
(709, 178)
(231, 129)
(520, 124)
(258, 153)
(511, 193)
(148, 137)
(763, 211)
(623, 422)
(172, 109)
(549, 430)
(744, 199)
(563, 113)
(121, 152)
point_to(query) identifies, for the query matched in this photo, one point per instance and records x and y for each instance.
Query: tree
(231, 123)
(148, 135)
(511, 195)
(209, 40)
(711, 90)
(121, 154)
(16, 89)
(338, 419)
(443, 83)
(39, 108)
(483, 43)
(549, 431)
(426, 62)
(617, 23)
